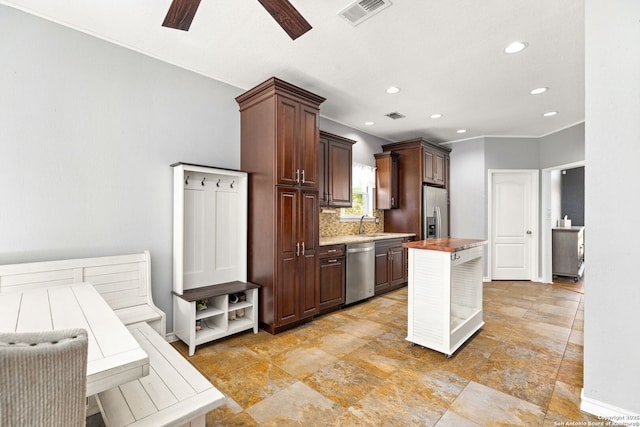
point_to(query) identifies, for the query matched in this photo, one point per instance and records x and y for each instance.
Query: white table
(114, 358)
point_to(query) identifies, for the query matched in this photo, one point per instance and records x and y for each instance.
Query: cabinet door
(332, 281)
(309, 265)
(287, 286)
(287, 163)
(308, 147)
(382, 267)
(339, 174)
(387, 180)
(396, 266)
(438, 169)
(427, 166)
(323, 178)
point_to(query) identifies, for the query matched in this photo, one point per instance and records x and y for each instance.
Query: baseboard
(608, 412)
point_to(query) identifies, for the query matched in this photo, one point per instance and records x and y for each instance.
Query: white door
(514, 205)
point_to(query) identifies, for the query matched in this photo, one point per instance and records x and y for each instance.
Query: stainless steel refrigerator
(435, 214)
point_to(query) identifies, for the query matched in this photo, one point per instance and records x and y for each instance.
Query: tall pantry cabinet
(279, 149)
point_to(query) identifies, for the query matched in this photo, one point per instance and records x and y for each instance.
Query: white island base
(445, 293)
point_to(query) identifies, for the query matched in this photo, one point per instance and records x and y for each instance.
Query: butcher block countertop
(444, 245)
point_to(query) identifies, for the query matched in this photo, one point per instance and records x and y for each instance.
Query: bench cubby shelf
(215, 322)
(210, 254)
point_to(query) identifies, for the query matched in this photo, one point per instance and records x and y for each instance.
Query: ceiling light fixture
(516, 47)
(435, 116)
(539, 90)
(369, 123)
(393, 89)
(550, 113)
(461, 130)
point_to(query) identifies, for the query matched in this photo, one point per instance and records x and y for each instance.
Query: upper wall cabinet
(297, 142)
(387, 180)
(435, 162)
(335, 170)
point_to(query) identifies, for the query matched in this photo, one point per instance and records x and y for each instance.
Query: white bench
(174, 393)
(124, 281)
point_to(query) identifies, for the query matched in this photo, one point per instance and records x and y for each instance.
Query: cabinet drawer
(331, 251)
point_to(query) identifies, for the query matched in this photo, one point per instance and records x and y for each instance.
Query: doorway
(551, 211)
(513, 224)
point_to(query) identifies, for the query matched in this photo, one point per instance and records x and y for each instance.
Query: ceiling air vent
(395, 115)
(362, 10)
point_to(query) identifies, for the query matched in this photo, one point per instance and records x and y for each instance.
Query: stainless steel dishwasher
(360, 271)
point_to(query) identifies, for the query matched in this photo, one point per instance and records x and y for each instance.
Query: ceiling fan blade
(287, 16)
(180, 14)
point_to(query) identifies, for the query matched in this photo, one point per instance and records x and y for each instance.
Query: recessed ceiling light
(393, 89)
(539, 90)
(435, 116)
(516, 47)
(550, 113)
(461, 130)
(369, 123)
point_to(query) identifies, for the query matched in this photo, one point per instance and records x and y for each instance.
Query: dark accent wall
(572, 189)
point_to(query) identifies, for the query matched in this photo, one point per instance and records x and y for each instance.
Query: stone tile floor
(353, 367)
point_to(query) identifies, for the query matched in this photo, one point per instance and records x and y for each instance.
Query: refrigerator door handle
(438, 222)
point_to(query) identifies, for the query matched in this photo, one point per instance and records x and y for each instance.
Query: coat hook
(233, 183)
(203, 181)
(186, 181)
(218, 183)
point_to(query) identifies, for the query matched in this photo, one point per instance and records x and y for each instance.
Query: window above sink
(362, 191)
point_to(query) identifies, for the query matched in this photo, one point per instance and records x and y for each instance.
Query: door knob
(529, 232)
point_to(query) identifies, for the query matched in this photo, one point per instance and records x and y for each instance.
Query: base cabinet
(389, 265)
(332, 276)
(212, 312)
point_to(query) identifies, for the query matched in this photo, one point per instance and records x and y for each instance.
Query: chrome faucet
(361, 229)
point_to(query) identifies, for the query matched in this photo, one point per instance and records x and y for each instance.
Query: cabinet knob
(303, 176)
(302, 248)
(297, 176)
(298, 249)
(332, 260)
(529, 232)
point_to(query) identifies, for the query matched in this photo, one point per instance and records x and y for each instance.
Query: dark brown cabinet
(433, 171)
(417, 158)
(335, 170)
(297, 261)
(279, 149)
(332, 276)
(387, 180)
(390, 265)
(297, 143)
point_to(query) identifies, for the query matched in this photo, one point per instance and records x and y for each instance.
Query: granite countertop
(361, 238)
(444, 245)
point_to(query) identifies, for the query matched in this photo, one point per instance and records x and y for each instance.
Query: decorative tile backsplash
(331, 226)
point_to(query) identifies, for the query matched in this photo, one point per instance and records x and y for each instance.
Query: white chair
(43, 378)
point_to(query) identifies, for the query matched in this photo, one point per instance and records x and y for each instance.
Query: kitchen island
(445, 292)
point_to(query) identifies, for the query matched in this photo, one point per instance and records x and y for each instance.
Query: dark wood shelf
(216, 290)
